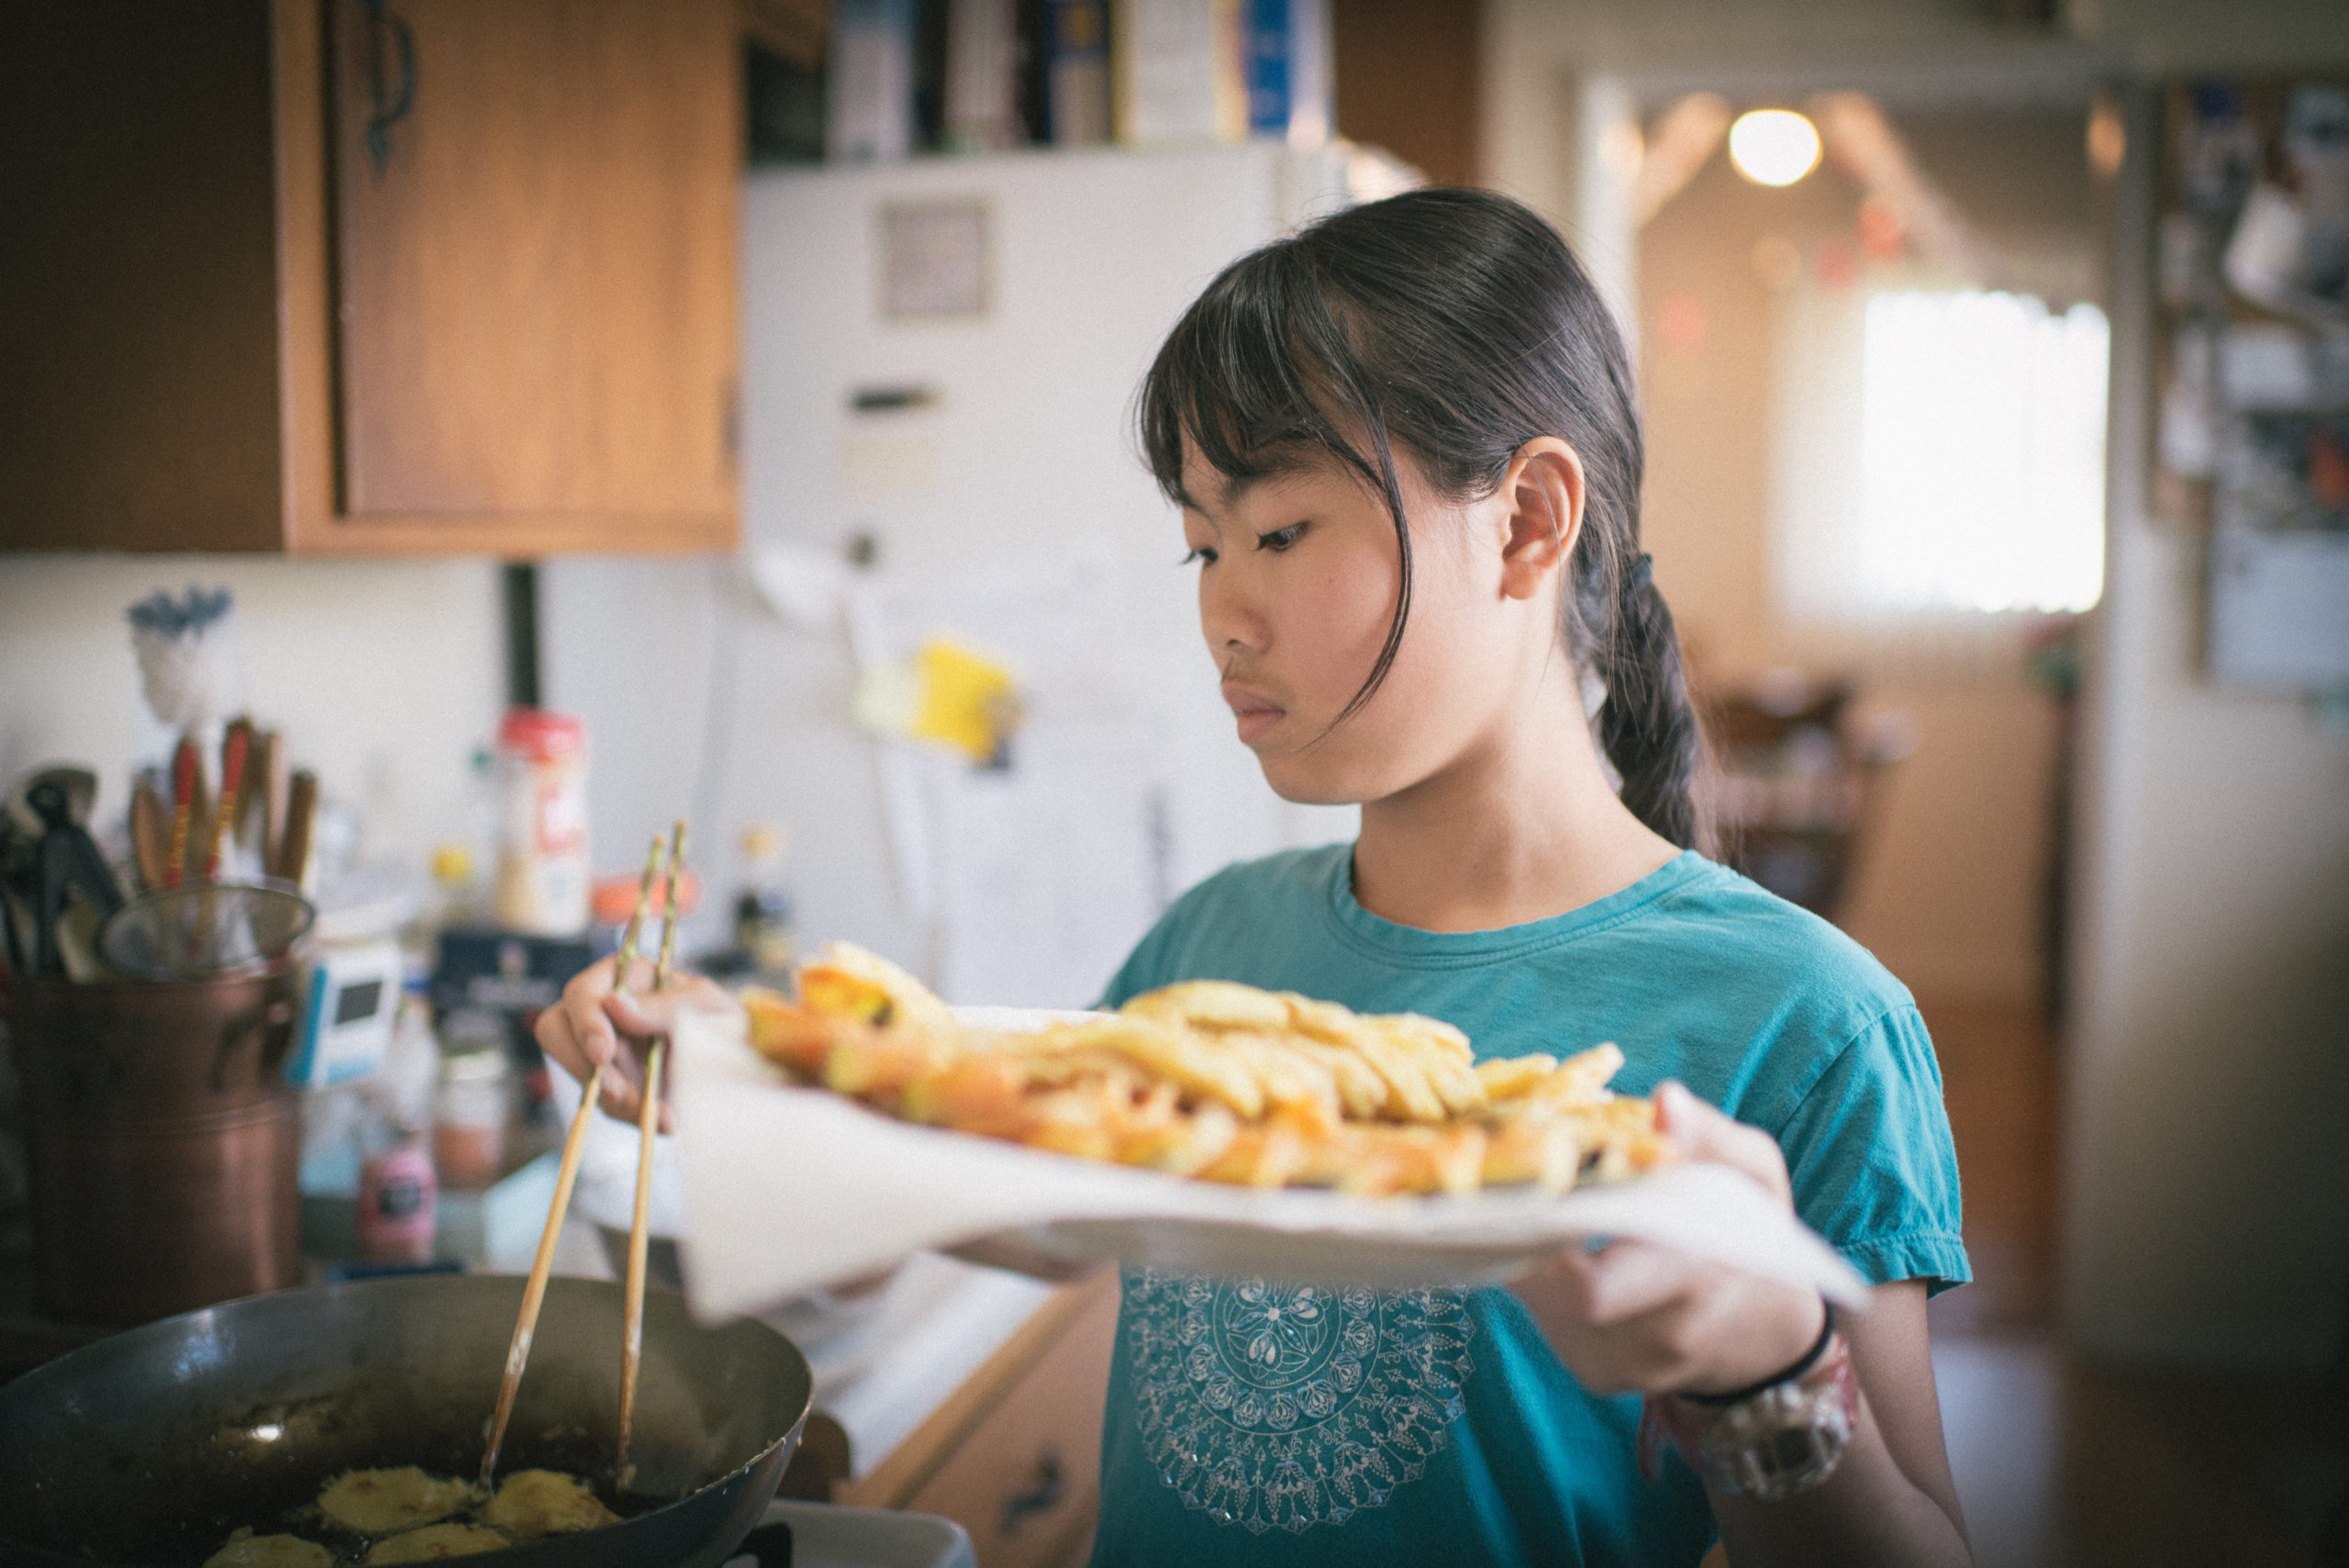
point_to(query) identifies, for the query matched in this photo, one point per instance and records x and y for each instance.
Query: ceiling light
(1773, 147)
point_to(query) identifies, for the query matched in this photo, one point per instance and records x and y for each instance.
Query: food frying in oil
(382, 1502)
(407, 1514)
(435, 1541)
(246, 1550)
(532, 1503)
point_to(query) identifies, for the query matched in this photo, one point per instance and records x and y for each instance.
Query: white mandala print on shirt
(1271, 1404)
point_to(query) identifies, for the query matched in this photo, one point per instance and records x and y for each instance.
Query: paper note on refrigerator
(1035, 873)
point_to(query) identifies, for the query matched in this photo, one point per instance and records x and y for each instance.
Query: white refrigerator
(939, 359)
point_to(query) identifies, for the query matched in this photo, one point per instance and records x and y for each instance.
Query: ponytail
(1455, 324)
(1646, 725)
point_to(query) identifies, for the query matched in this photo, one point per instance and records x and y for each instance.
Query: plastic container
(544, 874)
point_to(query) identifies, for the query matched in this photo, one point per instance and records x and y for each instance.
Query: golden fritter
(532, 1503)
(1211, 1004)
(435, 1541)
(378, 1502)
(846, 980)
(246, 1550)
(1223, 1082)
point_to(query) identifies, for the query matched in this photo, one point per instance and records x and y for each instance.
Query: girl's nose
(1229, 617)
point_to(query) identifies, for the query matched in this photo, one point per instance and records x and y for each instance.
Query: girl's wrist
(1791, 1345)
(1814, 1349)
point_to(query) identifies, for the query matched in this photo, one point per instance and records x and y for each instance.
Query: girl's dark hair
(1457, 325)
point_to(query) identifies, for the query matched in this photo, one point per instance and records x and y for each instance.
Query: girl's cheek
(1357, 605)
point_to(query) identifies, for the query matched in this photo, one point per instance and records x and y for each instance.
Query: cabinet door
(1026, 1480)
(534, 226)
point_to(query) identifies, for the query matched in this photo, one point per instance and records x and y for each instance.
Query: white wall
(2209, 1079)
(383, 675)
(2208, 1137)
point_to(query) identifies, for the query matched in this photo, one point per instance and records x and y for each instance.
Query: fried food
(1220, 1080)
(435, 1541)
(846, 980)
(378, 1502)
(243, 1549)
(1506, 1077)
(532, 1503)
(1212, 1004)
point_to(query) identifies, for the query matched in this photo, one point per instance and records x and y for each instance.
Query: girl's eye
(1280, 538)
(1204, 557)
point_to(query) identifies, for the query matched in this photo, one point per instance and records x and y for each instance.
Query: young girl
(1408, 465)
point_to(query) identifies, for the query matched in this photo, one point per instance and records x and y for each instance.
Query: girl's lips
(1256, 716)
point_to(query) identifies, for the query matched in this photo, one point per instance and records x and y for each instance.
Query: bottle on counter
(762, 949)
(399, 1199)
(471, 1109)
(543, 871)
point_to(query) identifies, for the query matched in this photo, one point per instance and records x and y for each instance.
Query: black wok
(151, 1447)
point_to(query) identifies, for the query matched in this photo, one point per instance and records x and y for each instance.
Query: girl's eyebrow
(1236, 486)
(1229, 493)
(1191, 508)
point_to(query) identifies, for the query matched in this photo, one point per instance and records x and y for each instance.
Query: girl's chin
(1300, 783)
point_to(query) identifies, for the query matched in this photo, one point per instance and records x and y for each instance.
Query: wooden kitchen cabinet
(353, 276)
(1014, 1455)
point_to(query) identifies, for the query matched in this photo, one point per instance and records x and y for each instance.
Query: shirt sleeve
(1875, 1170)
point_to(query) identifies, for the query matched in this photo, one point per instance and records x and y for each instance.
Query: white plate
(790, 1188)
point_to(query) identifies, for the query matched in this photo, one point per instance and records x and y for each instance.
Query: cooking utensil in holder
(205, 927)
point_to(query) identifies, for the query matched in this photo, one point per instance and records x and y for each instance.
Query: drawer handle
(1051, 1485)
(387, 107)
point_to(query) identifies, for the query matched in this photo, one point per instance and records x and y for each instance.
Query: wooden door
(533, 217)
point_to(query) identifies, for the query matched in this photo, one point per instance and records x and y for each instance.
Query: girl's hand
(1636, 1316)
(586, 1027)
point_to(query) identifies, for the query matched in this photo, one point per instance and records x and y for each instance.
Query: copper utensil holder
(163, 1141)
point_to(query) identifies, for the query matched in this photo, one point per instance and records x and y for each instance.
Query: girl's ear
(1544, 491)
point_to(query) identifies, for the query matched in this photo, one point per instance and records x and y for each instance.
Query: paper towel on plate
(789, 1188)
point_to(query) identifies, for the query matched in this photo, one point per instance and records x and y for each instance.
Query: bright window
(1944, 453)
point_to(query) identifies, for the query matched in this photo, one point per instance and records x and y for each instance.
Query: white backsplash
(383, 675)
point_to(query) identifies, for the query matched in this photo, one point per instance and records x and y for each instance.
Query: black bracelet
(1810, 1358)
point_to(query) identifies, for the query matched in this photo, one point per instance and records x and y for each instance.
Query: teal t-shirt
(1257, 1423)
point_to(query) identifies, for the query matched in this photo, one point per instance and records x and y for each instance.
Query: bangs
(1264, 377)
(1261, 376)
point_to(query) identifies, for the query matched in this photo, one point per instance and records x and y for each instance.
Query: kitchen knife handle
(301, 813)
(268, 779)
(150, 836)
(186, 779)
(233, 751)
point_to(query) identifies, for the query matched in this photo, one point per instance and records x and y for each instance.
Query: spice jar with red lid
(543, 874)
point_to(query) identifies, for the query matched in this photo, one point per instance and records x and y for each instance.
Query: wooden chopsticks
(647, 1123)
(518, 1352)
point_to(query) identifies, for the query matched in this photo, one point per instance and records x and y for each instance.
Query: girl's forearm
(1868, 1514)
